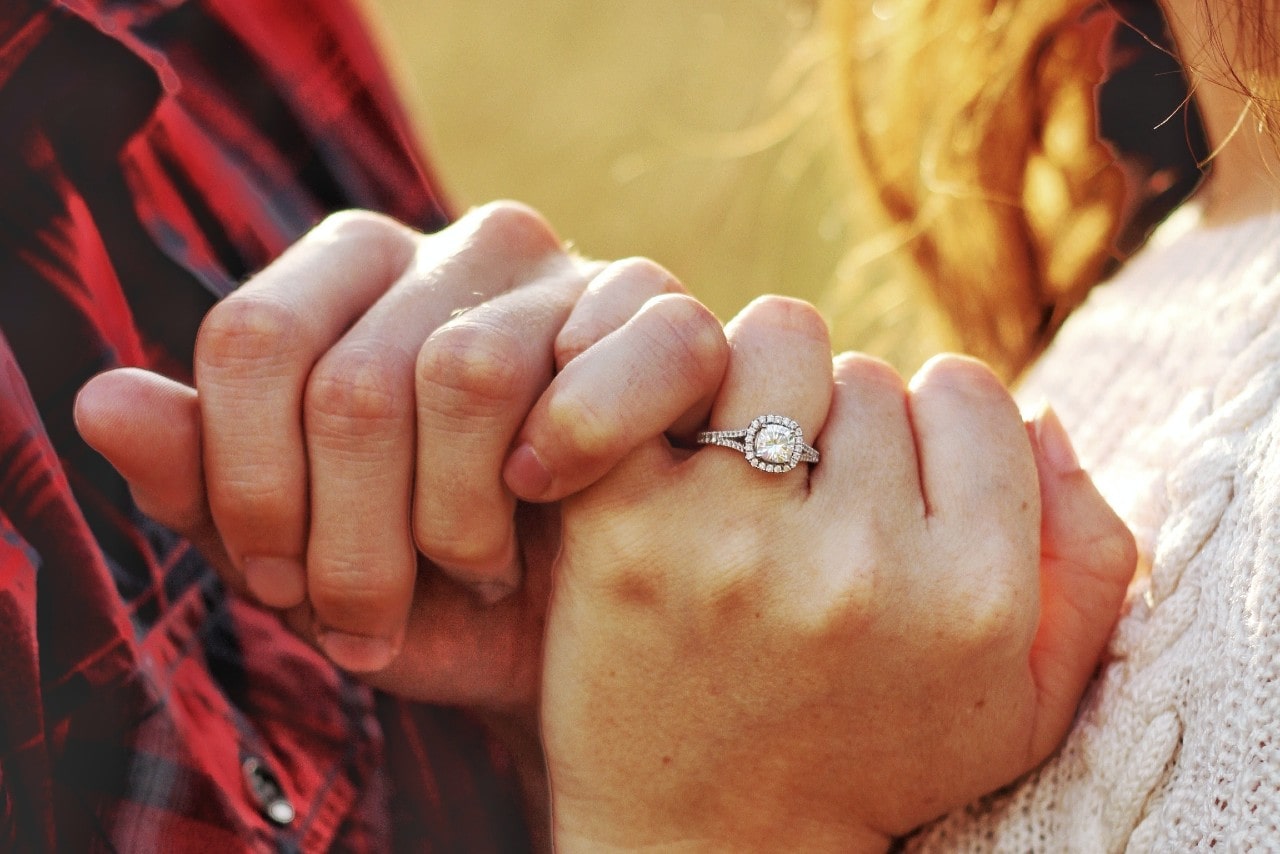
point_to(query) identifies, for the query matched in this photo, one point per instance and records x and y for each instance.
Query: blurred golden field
(702, 134)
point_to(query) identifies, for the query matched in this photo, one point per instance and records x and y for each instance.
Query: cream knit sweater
(1168, 379)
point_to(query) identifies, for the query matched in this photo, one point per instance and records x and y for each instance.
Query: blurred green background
(702, 133)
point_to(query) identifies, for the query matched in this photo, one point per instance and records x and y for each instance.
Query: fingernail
(525, 473)
(277, 582)
(358, 653)
(1054, 442)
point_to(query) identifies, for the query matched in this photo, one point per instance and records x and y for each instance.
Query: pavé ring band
(771, 443)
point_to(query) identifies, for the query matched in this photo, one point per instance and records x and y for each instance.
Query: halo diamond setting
(771, 443)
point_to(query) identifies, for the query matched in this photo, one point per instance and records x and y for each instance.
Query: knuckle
(962, 374)
(582, 426)
(574, 340)
(734, 599)
(789, 313)
(690, 337)
(513, 226)
(355, 392)
(995, 623)
(850, 602)
(1113, 549)
(867, 370)
(248, 329)
(614, 294)
(646, 272)
(855, 602)
(469, 368)
(383, 242)
(368, 228)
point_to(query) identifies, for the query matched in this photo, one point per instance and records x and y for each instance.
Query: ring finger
(779, 364)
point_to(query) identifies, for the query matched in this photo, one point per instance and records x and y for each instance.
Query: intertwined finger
(656, 371)
(611, 299)
(360, 419)
(974, 453)
(253, 355)
(477, 378)
(779, 364)
(1087, 560)
(869, 474)
(958, 407)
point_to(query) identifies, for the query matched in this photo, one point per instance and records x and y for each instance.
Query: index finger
(657, 373)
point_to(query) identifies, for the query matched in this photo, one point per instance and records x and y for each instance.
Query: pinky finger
(1087, 561)
(658, 372)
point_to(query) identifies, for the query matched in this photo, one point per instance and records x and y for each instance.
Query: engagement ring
(771, 443)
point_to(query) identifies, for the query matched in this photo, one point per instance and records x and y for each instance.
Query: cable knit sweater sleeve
(1172, 379)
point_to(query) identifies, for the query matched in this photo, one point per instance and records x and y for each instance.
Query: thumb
(148, 428)
(1087, 558)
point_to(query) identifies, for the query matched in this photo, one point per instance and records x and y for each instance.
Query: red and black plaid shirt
(154, 153)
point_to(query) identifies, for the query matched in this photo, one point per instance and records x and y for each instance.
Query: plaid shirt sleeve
(155, 154)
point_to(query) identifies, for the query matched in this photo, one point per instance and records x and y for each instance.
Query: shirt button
(267, 793)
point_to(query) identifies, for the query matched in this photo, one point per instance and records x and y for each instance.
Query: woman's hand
(355, 405)
(822, 659)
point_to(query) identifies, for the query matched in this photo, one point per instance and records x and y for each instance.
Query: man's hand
(343, 455)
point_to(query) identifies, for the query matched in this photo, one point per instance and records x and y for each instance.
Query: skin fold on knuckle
(468, 369)
(357, 395)
(249, 334)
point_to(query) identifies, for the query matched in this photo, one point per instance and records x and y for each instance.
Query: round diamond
(773, 444)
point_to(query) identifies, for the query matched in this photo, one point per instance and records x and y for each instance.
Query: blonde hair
(973, 129)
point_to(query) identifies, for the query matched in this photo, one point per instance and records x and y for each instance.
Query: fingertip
(491, 573)
(526, 474)
(87, 410)
(359, 653)
(1054, 443)
(275, 582)
(126, 406)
